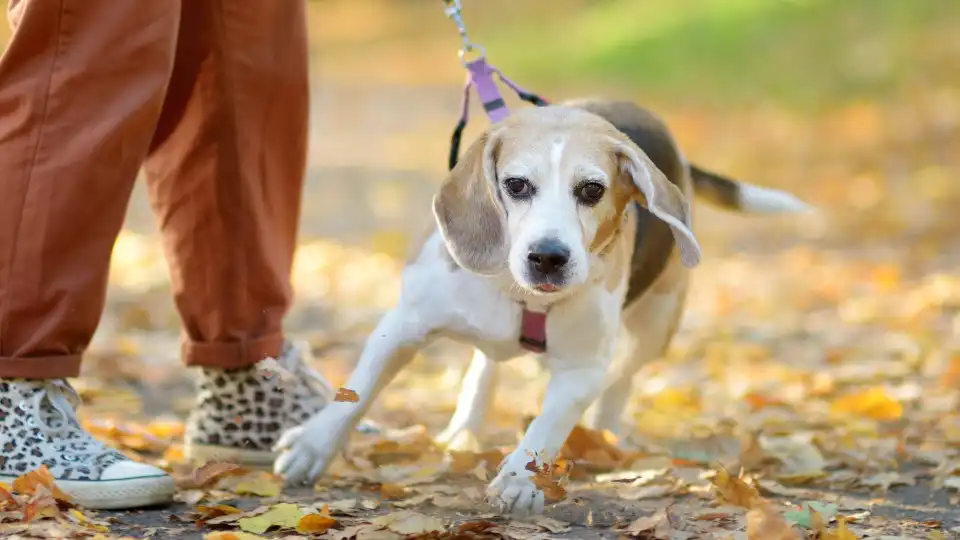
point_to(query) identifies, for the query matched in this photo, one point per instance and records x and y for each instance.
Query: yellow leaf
(346, 395)
(262, 484)
(315, 524)
(283, 515)
(734, 490)
(873, 403)
(842, 532)
(79, 518)
(231, 535)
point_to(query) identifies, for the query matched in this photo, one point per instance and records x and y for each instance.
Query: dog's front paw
(514, 493)
(305, 452)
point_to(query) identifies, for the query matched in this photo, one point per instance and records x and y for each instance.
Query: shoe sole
(205, 453)
(116, 494)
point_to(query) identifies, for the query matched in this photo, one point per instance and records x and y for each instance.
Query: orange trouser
(210, 97)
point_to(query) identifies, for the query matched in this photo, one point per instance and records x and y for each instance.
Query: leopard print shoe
(38, 426)
(241, 413)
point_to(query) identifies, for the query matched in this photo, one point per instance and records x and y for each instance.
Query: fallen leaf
(191, 496)
(347, 395)
(81, 519)
(315, 524)
(545, 480)
(216, 510)
(809, 511)
(655, 527)
(873, 403)
(231, 535)
(796, 452)
(282, 515)
(842, 532)
(208, 473)
(409, 522)
(392, 491)
(40, 505)
(734, 490)
(27, 484)
(552, 525)
(765, 523)
(261, 483)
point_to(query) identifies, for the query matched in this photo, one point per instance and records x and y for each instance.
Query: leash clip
(452, 11)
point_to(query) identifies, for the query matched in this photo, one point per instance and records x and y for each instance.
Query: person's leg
(81, 88)
(225, 176)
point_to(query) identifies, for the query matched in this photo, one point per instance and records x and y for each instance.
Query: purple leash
(480, 76)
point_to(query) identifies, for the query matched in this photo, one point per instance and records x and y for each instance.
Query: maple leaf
(346, 395)
(28, 483)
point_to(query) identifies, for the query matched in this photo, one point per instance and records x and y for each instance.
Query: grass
(802, 53)
(799, 53)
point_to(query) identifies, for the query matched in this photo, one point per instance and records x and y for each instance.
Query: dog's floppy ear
(469, 212)
(660, 196)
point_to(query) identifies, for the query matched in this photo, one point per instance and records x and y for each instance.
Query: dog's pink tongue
(547, 287)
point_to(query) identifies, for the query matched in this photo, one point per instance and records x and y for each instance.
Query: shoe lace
(54, 408)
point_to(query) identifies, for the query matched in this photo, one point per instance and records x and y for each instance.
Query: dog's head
(542, 191)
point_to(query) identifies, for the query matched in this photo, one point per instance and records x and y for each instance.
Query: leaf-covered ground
(813, 390)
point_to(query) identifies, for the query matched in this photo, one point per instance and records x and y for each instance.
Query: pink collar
(533, 331)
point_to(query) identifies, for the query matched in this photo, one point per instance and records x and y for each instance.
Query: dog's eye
(518, 187)
(590, 192)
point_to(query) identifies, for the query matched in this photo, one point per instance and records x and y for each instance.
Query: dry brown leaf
(546, 480)
(7, 500)
(392, 491)
(346, 395)
(467, 462)
(657, 526)
(212, 511)
(765, 523)
(207, 474)
(40, 505)
(409, 522)
(734, 490)
(596, 450)
(315, 524)
(28, 483)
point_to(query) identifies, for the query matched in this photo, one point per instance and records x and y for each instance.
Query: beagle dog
(564, 230)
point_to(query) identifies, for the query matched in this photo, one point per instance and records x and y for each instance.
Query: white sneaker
(38, 426)
(241, 413)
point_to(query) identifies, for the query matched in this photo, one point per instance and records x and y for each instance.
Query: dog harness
(480, 77)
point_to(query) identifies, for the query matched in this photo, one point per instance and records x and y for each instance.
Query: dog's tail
(743, 197)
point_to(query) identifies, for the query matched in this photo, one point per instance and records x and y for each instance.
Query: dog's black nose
(548, 256)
